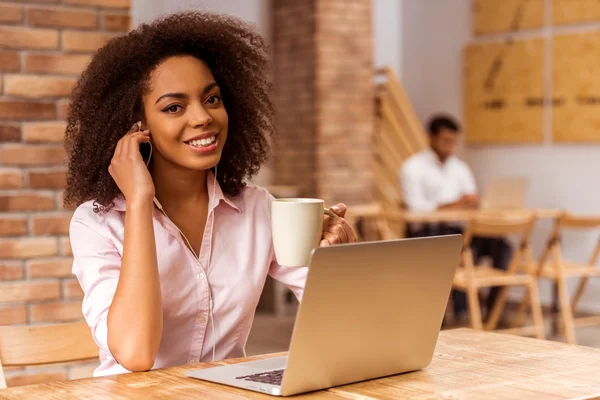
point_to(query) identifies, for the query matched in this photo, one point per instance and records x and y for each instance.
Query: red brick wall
(294, 74)
(323, 75)
(44, 45)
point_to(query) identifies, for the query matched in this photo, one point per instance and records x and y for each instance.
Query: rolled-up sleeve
(293, 277)
(96, 264)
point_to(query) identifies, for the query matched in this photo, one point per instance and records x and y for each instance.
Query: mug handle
(330, 213)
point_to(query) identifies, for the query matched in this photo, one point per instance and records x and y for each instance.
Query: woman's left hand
(337, 230)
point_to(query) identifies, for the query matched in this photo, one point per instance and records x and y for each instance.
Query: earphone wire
(212, 226)
(149, 155)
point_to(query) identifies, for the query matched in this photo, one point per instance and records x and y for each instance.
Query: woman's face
(185, 114)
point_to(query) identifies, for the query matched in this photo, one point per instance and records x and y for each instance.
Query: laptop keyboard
(270, 377)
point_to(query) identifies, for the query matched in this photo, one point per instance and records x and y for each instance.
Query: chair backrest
(567, 221)
(46, 344)
(500, 224)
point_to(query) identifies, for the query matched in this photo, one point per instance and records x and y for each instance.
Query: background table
(464, 215)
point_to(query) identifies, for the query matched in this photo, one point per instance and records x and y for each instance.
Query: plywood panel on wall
(576, 87)
(504, 91)
(490, 16)
(575, 11)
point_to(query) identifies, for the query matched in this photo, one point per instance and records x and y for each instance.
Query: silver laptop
(505, 194)
(369, 310)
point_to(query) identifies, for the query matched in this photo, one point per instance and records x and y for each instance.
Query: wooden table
(460, 215)
(467, 365)
(373, 210)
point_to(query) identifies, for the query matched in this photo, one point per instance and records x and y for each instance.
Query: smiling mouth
(206, 142)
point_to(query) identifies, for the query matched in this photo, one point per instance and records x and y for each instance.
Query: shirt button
(200, 276)
(191, 362)
(202, 319)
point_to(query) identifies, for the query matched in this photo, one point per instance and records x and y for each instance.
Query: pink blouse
(242, 256)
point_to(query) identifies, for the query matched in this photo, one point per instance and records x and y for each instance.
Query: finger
(118, 148)
(349, 232)
(138, 137)
(352, 238)
(131, 146)
(133, 131)
(342, 228)
(340, 232)
(339, 209)
(142, 136)
(331, 238)
(134, 128)
(330, 221)
(324, 243)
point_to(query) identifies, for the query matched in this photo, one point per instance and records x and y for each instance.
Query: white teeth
(203, 142)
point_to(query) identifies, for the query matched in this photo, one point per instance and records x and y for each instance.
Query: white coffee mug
(297, 227)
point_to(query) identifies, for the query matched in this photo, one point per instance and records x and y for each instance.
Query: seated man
(435, 179)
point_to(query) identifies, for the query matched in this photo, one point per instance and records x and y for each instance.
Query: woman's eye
(172, 109)
(214, 99)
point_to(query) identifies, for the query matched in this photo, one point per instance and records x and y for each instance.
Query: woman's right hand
(135, 315)
(128, 168)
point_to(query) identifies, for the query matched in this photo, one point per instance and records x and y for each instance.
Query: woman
(172, 259)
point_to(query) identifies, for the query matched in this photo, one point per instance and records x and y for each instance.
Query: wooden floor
(272, 334)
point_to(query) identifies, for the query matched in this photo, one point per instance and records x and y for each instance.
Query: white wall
(257, 12)
(434, 34)
(387, 43)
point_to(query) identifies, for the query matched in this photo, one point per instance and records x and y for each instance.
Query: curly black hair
(106, 101)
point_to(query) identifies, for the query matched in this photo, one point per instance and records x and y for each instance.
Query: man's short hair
(439, 122)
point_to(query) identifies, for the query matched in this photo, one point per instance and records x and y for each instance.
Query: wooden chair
(554, 267)
(471, 278)
(47, 344)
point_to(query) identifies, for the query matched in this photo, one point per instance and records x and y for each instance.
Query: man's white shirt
(427, 183)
